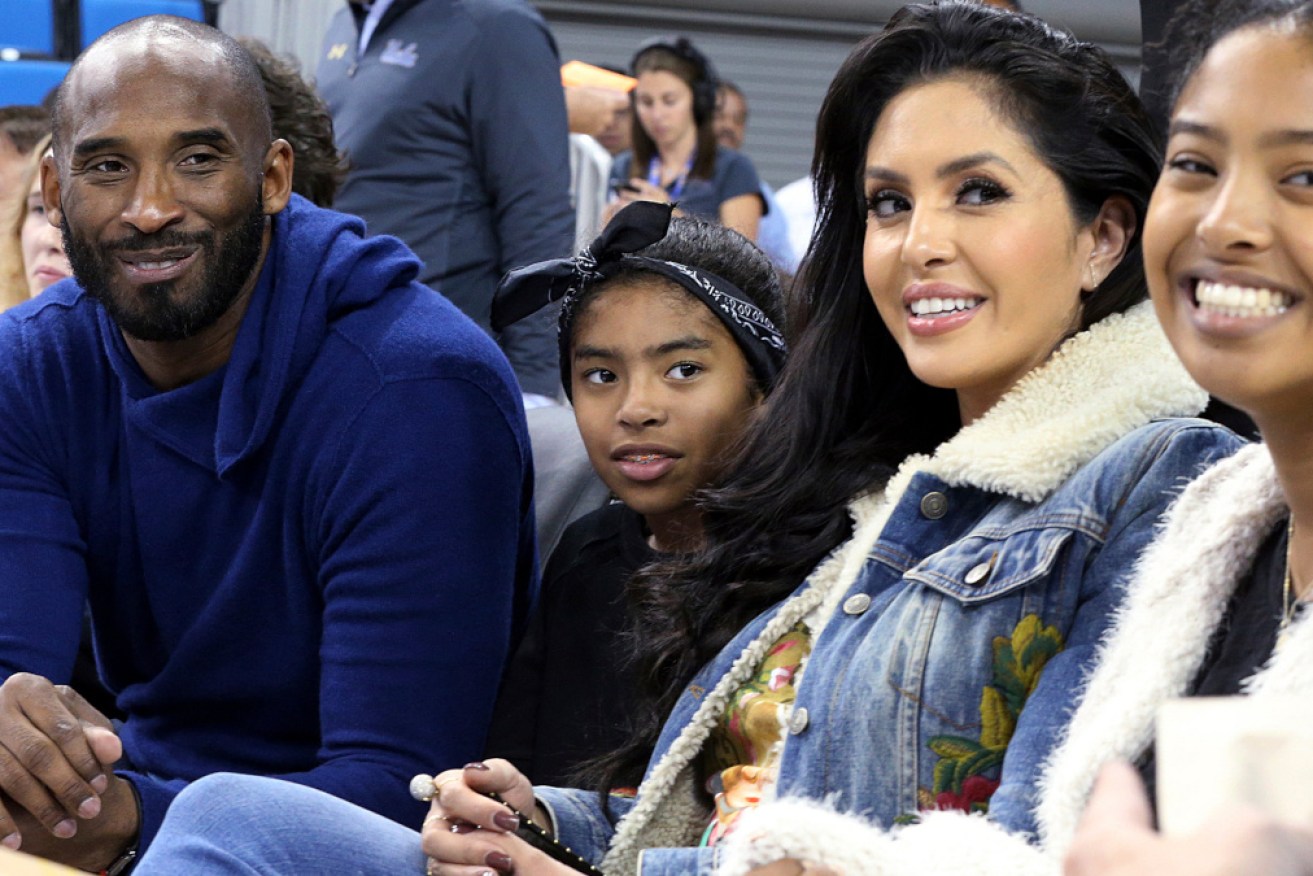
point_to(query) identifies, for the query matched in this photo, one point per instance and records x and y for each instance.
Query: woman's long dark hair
(642, 145)
(848, 410)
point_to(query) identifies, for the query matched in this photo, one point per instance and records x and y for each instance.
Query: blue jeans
(232, 824)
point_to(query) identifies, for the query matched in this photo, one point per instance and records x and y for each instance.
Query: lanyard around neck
(675, 188)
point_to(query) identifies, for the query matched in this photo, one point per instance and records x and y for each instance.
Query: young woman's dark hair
(848, 409)
(692, 67)
(1197, 26)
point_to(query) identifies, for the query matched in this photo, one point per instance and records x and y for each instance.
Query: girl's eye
(1303, 178)
(36, 208)
(979, 192)
(1186, 164)
(885, 204)
(599, 375)
(684, 371)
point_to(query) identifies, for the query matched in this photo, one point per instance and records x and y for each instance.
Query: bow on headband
(525, 291)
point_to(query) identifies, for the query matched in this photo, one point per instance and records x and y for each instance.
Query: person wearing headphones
(675, 157)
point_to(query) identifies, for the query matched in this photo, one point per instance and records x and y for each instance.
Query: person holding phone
(675, 158)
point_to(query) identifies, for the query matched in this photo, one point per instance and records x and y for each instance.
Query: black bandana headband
(525, 291)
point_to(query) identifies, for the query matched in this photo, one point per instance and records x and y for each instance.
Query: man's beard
(151, 314)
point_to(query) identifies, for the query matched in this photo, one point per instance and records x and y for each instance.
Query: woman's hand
(467, 832)
(1116, 838)
(638, 189)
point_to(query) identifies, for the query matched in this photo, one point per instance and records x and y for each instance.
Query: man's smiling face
(158, 183)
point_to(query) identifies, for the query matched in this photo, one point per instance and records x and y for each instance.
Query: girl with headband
(668, 345)
(906, 572)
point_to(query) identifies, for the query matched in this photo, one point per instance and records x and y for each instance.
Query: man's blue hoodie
(309, 563)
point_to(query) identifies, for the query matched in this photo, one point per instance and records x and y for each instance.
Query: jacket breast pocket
(980, 568)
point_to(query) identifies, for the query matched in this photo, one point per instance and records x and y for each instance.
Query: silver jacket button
(798, 721)
(979, 574)
(856, 604)
(934, 505)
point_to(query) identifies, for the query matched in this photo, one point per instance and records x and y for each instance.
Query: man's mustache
(159, 240)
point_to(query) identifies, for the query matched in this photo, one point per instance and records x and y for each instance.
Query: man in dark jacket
(292, 482)
(453, 119)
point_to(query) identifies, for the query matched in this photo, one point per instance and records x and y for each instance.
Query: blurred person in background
(33, 252)
(675, 157)
(20, 128)
(453, 119)
(731, 129)
(617, 137)
(302, 119)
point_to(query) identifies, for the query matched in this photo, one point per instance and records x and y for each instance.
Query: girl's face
(1228, 244)
(972, 255)
(660, 390)
(44, 261)
(665, 107)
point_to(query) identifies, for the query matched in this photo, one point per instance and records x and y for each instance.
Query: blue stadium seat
(99, 16)
(28, 81)
(29, 26)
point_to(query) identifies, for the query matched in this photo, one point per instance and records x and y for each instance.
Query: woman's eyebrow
(945, 170)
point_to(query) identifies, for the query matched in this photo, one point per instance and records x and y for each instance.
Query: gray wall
(782, 53)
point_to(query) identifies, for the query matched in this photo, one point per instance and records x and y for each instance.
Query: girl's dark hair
(847, 409)
(709, 246)
(695, 77)
(1199, 25)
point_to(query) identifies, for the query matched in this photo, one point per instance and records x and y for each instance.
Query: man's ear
(276, 179)
(51, 194)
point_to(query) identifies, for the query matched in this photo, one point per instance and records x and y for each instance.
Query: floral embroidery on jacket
(960, 776)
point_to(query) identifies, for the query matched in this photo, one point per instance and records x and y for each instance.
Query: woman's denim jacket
(959, 643)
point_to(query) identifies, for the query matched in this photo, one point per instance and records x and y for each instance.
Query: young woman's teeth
(933, 306)
(645, 458)
(1240, 301)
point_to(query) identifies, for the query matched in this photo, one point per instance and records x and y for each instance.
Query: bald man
(292, 482)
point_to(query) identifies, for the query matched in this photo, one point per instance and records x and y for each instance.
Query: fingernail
(100, 783)
(500, 862)
(13, 841)
(65, 829)
(506, 821)
(476, 766)
(89, 808)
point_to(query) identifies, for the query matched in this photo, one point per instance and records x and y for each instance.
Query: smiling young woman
(1229, 257)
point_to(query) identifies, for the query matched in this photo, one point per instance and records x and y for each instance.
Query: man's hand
(58, 796)
(1116, 838)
